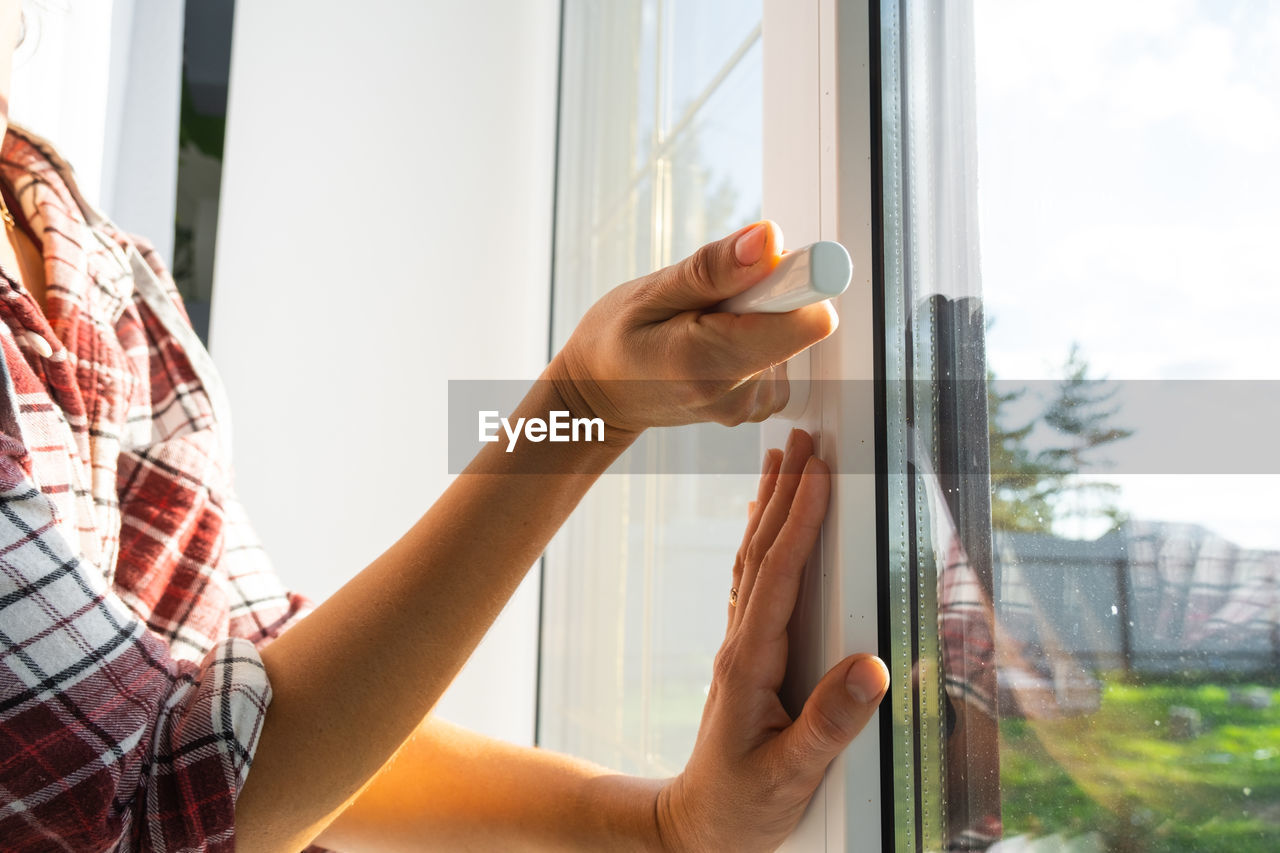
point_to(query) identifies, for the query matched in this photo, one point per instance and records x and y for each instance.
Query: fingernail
(750, 246)
(867, 680)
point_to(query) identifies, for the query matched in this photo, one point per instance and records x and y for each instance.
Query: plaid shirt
(133, 595)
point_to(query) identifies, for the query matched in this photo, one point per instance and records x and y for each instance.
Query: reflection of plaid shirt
(133, 595)
(965, 617)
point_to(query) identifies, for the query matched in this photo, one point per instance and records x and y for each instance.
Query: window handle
(816, 272)
(811, 274)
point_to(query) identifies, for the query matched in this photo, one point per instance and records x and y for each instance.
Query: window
(1074, 209)
(660, 147)
(1047, 406)
(205, 69)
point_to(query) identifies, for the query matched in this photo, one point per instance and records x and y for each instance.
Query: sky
(1129, 200)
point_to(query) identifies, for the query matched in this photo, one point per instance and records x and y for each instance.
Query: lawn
(1120, 773)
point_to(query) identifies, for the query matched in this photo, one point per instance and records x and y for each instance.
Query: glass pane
(206, 67)
(609, 82)
(715, 179)
(1089, 556)
(704, 41)
(1125, 192)
(942, 709)
(635, 585)
(1128, 190)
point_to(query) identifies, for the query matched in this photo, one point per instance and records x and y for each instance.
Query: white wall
(61, 79)
(140, 171)
(385, 226)
(101, 80)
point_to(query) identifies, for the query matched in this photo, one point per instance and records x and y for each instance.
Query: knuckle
(756, 552)
(697, 269)
(762, 412)
(627, 299)
(707, 390)
(739, 407)
(726, 663)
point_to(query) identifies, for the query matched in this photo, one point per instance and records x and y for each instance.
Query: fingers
(841, 705)
(782, 334)
(768, 478)
(777, 581)
(738, 345)
(718, 270)
(774, 513)
(749, 401)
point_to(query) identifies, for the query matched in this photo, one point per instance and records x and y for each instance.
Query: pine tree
(1032, 491)
(1083, 414)
(1023, 485)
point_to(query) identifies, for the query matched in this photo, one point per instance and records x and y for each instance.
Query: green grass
(1119, 773)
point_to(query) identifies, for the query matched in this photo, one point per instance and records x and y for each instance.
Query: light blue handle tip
(831, 268)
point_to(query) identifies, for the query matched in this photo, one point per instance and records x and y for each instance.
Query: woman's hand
(753, 769)
(651, 353)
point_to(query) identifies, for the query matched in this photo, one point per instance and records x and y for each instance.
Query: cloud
(1138, 62)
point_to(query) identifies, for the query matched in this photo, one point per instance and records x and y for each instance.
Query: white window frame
(818, 184)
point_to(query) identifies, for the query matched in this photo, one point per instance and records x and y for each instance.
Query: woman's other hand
(652, 353)
(754, 769)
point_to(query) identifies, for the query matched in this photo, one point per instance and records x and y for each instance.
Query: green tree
(1083, 414)
(1032, 490)
(1023, 485)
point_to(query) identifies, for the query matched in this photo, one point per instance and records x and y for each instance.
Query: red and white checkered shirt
(133, 594)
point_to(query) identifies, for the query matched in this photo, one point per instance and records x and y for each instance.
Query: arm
(354, 680)
(450, 789)
(752, 771)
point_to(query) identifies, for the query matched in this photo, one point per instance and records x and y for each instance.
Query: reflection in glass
(1139, 613)
(206, 67)
(1130, 616)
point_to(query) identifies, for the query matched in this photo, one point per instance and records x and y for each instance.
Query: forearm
(451, 789)
(352, 681)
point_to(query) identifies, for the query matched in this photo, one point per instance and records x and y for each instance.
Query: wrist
(584, 397)
(549, 432)
(671, 819)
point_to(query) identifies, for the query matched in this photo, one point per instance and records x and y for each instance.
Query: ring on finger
(733, 597)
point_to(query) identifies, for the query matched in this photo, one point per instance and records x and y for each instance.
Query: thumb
(718, 270)
(839, 707)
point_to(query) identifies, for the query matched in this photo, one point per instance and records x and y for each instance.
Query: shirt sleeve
(261, 606)
(105, 739)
